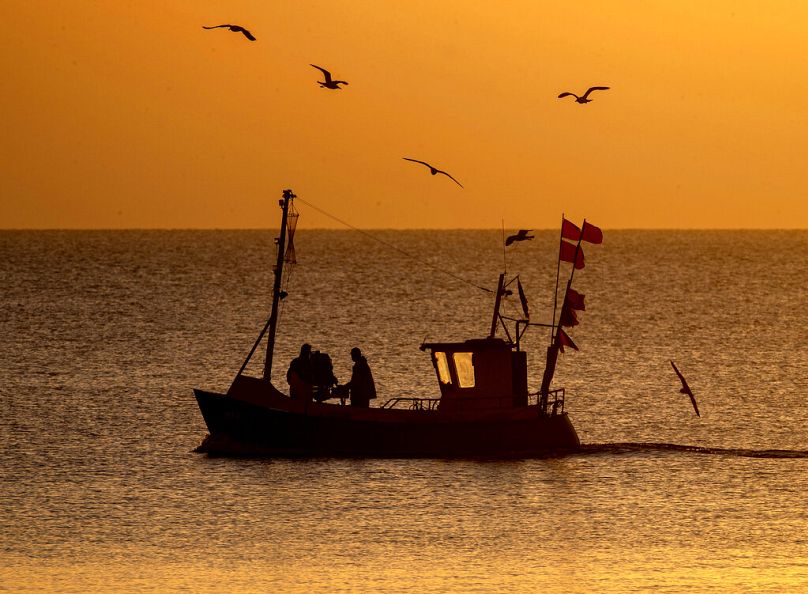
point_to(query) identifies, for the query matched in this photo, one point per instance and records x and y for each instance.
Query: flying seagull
(433, 170)
(329, 83)
(521, 236)
(584, 98)
(686, 389)
(235, 29)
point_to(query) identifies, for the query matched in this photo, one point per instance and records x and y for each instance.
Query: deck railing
(553, 406)
(413, 403)
(555, 402)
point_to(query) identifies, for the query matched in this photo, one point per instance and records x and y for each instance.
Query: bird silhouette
(522, 235)
(235, 29)
(585, 97)
(686, 389)
(329, 83)
(433, 170)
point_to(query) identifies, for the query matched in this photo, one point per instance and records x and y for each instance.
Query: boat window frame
(463, 362)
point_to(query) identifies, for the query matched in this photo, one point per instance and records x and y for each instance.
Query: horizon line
(77, 229)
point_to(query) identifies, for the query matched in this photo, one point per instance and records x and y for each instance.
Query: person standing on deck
(361, 388)
(301, 374)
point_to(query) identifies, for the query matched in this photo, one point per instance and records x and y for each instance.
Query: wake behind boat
(482, 407)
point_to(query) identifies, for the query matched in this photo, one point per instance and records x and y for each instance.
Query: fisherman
(300, 375)
(322, 375)
(361, 387)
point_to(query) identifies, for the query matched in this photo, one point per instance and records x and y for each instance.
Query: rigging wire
(393, 247)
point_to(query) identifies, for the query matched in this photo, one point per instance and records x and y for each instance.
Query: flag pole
(558, 274)
(552, 350)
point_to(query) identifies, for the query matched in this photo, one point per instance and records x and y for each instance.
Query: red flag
(568, 317)
(567, 254)
(564, 340)
(574, 300)
(570, 230)
(591, 233)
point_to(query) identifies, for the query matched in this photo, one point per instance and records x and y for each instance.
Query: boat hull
(242, 423)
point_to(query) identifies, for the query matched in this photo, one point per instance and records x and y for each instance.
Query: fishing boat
(481, 407)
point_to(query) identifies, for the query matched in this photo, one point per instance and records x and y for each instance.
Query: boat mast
(288, 196)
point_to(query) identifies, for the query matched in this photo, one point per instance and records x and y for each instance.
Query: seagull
(583, 99)
(235, 29)
(521, 236)
(686, 389)
(329, 83)
(433, 170)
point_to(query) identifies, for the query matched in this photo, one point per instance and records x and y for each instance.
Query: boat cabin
(479, 374)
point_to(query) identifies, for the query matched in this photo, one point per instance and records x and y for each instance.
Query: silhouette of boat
(482, 407)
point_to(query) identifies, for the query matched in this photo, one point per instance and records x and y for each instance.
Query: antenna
(504, 261)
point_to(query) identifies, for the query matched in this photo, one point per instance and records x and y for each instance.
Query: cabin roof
(473, 345)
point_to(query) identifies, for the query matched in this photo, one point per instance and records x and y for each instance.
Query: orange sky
(128, 114)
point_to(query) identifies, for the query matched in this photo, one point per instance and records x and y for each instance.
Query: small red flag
(574, 300)
(564, 340)
(591, 233)
(570, 230)
(568, 317)
(566, 253)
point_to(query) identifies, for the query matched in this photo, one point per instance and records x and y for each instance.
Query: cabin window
(443, 368)
(465, 369)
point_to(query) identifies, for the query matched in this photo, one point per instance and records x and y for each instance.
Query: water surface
(103, 335)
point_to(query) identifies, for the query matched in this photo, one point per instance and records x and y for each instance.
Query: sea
(104, 335)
